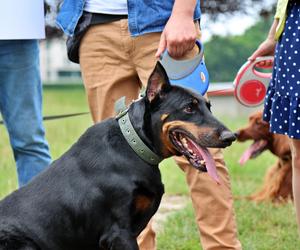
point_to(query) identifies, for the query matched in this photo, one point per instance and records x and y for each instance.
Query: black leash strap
(54, 117)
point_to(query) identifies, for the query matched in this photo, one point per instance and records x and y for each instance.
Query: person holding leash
(282, 102)
(117, 44)
(21, 87)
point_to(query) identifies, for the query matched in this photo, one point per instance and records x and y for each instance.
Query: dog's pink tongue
(253, 151)
(209, 161)
(246, 156)
(210, 164)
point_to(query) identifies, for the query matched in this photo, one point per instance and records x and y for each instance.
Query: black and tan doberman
(101, 194)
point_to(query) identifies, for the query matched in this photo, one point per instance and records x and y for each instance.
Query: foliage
(225, 55)
(216, 7)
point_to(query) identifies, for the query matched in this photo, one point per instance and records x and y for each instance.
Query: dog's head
(183, 122)
(258, 131)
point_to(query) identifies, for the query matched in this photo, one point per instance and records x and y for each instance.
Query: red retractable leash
(250, 84)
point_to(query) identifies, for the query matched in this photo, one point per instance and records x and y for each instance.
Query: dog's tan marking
(188, 126)
(142, 202)
(164, 117)
(192, 128)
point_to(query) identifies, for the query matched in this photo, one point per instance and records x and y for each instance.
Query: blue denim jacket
(144, 16)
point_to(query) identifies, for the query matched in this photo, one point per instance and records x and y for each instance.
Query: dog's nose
(227, 136)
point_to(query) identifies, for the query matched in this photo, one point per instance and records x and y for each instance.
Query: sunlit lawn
(61, 134)
(261, 226)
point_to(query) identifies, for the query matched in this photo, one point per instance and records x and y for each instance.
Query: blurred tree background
(219, 7)
(226, 54)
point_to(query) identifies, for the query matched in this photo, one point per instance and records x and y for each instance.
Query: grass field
(261, 226)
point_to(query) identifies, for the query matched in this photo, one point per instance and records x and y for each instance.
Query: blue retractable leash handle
(191, 74)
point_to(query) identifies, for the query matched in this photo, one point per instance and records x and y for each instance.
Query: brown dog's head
(258, 131)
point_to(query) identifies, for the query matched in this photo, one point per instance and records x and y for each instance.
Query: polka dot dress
(282, 103)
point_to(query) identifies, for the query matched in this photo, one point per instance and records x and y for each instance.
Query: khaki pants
(113, 65)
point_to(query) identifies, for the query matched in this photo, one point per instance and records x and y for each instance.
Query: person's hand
(266, 48)
(178, 36)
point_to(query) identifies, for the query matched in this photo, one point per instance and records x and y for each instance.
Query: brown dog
(277, 185)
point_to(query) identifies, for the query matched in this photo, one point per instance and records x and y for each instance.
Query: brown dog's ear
(157, 82)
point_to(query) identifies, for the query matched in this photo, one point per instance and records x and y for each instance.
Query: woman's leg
(295, 147)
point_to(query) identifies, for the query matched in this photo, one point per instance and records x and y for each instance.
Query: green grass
(261, 226)
(61, 134)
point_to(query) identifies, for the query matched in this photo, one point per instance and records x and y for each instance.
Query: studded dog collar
(129, 133)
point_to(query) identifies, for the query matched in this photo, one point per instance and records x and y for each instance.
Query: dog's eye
(189, 109)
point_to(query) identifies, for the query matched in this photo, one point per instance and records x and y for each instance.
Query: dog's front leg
(118, 239)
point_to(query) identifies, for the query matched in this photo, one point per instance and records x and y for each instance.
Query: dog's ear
(158, 81)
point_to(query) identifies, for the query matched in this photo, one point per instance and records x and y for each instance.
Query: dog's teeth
(184, 142)
(202, 162)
